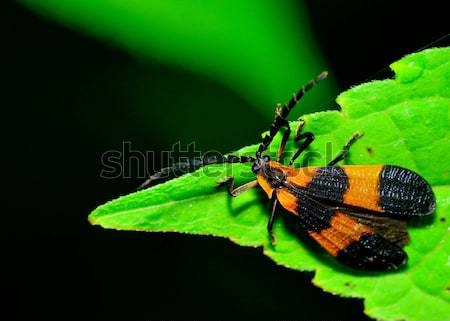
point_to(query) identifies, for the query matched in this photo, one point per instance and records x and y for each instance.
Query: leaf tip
(94, 217)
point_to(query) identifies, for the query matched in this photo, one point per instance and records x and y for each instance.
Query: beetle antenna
(283, 112)
(192, 165)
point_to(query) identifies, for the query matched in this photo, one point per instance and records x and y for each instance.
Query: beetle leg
(236, 191)
(344, 152)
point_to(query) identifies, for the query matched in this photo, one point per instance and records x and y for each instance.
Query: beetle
(357, 213)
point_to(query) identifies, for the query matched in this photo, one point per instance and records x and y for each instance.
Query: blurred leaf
(406, 123)
(262, 50)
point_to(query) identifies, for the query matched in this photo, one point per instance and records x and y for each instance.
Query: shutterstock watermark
(181, 159)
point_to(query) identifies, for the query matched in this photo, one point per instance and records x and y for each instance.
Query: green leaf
(405, 121)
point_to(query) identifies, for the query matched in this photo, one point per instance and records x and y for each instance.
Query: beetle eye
(267, 158)
(255, 168)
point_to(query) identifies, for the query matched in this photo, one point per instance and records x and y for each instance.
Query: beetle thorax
(274, 176)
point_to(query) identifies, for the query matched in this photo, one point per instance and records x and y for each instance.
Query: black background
(62, 95)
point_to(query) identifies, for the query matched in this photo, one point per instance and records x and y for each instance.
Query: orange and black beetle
(357, 213)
